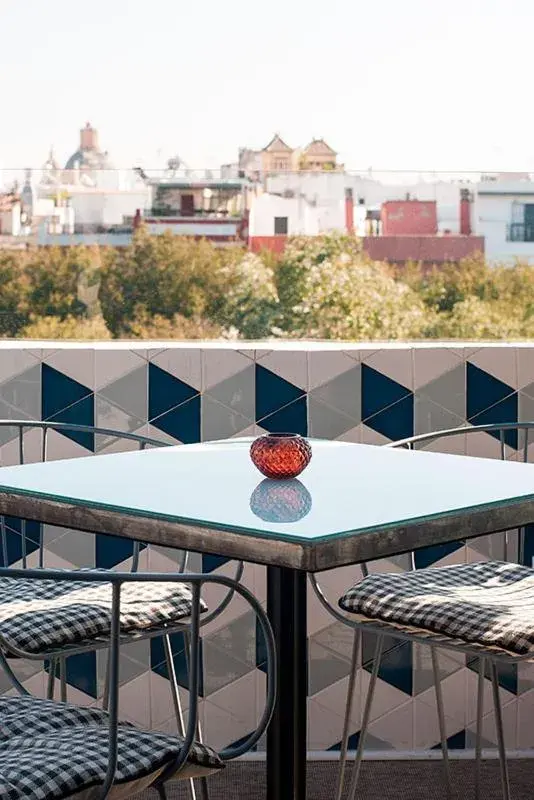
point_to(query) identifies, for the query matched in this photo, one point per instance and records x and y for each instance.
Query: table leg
(287, 734)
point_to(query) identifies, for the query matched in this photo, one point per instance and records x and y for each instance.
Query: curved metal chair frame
(433, 642)
(117, 579)
(57, 658)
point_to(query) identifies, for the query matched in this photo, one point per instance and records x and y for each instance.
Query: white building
(503, 212)
(272, 215)
(326, 190)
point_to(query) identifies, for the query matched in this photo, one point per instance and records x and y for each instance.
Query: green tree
(330, 290)
(13, 305)
(66, 328)
(163, 275)
(53, 276)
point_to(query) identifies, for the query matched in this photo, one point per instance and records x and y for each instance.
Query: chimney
(465, 212)
(88, 138)
(349, 212)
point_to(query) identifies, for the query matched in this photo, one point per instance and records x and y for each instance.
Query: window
(280, 226)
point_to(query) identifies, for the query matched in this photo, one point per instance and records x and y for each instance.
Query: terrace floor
(380, 780)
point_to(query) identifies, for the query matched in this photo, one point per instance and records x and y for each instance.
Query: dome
(88, 155)
(88, 159)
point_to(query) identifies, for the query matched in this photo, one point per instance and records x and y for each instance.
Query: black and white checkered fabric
(489, 603)
(39, 616)
(52, 750)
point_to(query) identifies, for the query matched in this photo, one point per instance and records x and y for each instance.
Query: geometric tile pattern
(183, 393)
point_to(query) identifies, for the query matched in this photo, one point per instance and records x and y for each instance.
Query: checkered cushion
(489, 604)
(39, 616)
(53, 750)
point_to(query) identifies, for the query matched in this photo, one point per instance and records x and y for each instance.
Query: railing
(520, 232)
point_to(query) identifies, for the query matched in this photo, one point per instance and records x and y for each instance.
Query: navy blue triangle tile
(454, 742)
(507, 673)
(379, 391)
(211, 563)
(59, 391)
(396, 663)
(371, 743)
(65, 400)
(81, 413)
(182, 422)
(353, 741)
(273, 392)
(112, 550)
(81, 672)
(158, 663)
(165, 391)
(427, 556)
(14, 543)
(504, 411)
(293, 418)
(528, 552)
(396, 421)
(483, 390)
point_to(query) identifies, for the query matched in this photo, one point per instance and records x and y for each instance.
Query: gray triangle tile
(114, 418)
(343, 393)
(325, 422)
(129, 392)
(184, 363)
(14, 363)
(220, 422)
(111, 365)
(74, 547)
(238, 392)
(76, 363)
(429, 416)
(447, 391)
(23, 393)
(220, 668)
(501, 362)
(528, 390)
(220, 364)
(326, 365)
(325, 668)
(525, 410)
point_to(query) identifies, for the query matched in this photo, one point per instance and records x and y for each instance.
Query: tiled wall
(183, 393)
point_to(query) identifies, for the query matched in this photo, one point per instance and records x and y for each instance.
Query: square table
(354, 503)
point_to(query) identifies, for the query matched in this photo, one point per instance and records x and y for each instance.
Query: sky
(390, 84)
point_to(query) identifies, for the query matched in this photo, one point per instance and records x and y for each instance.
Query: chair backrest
(28, 536)
(516, 436)
(513, 437)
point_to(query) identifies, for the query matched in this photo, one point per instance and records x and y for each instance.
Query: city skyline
(404, 89)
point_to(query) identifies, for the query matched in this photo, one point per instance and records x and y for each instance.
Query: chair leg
(63, 678)
(50, 684)
(366, 717)
(177, 703)
(348, 713)
(480, 714)
(204, 788)
(441, 721)
(500, 732)
(105, 694)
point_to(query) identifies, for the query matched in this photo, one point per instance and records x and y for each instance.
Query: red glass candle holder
(281, 455)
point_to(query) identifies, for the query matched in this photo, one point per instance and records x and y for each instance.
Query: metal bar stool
(475, 609)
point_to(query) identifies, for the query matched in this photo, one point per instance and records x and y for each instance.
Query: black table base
(287, 735)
